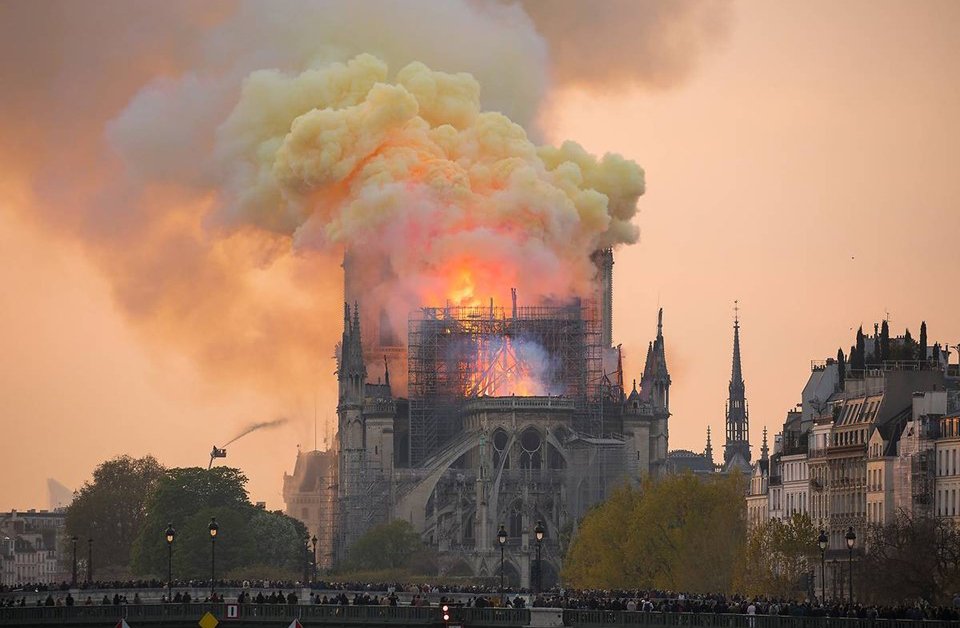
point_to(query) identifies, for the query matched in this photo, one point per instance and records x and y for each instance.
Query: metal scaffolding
(461, 353)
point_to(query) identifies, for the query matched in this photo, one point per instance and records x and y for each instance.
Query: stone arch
(551, 575)
(459, 568)
(511, 574)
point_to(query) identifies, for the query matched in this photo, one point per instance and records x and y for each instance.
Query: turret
(351, 370)
(655, 383)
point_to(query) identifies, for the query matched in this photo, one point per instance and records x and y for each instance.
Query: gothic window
(530, 445)
(516, 520)
(500, 454)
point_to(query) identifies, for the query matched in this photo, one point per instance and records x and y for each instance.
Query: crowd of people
(667, 602)
(476, 596)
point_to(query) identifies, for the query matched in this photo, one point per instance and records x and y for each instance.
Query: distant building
(310, 495)
(736, 449)
(866, 445)
(31, 546)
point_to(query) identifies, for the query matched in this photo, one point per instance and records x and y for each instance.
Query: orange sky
(806, 168)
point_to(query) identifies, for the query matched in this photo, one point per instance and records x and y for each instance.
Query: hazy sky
(806, 166)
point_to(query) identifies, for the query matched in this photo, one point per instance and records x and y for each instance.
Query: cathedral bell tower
(736, 451)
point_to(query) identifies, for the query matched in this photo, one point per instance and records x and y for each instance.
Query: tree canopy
(394, 545)
(779, 556)
(912, 558)
(677, 533)
(248, 536)
(111, 508)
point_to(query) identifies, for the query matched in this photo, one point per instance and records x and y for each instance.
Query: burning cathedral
(482, 416)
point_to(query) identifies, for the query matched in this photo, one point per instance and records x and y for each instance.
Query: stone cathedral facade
(495, 458)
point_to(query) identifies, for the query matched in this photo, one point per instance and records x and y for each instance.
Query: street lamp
(502, 539)
(314, 541)
(214, 528)
(89, 560)
(170, 535)
(822, 541)
(851, 538)
(74, 539)
(306, 559)
(538, 532)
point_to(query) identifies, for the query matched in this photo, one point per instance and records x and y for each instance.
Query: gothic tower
(736, 451)
(655, 390)
(655, 381)
(352, 377)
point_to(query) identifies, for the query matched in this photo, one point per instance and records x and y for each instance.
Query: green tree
(841, 367)
(680, 532)
(111, 509)
(884, 342)
(248, 536)
(779, 555)
(908, 349)
(858, 363)
(912, 558)
(393, 545)
(922, 346)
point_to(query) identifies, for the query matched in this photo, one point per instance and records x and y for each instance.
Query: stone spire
(655, 382)
(708, 451)
(351, 370)
(736, 451)
(764, 450)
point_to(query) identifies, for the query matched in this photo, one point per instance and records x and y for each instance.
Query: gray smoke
(253, 427)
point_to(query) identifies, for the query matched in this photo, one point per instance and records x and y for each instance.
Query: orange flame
(501, 373)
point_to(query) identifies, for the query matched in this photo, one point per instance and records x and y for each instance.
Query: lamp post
(538, 532)
(170, 535)
(822, 541)
(851, 538)
(214, 528)
(74, 581)
(90, 560)
(306, 559)
(314, 541)
(502, 539)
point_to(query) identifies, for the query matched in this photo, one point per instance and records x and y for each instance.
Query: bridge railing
(283, 614)
(267, 613)
(490, 616)
(591, 618)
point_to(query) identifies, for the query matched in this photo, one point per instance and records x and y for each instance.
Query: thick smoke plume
(215, 159)
(455, 203)
(253, 427)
